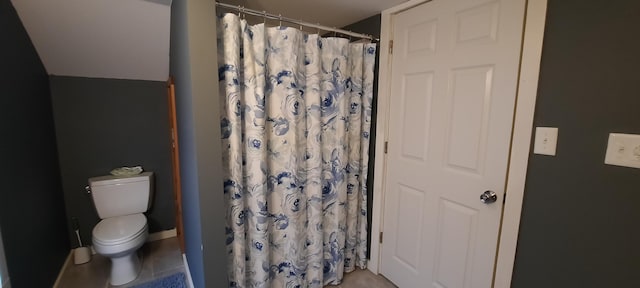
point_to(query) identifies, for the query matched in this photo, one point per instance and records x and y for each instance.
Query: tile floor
(159, 259)
(163, 258)
(363, 279)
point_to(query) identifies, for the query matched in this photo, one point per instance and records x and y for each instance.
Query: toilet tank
(117, 195)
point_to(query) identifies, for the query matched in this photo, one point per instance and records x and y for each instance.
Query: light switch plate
(546, 140)
(623, 150)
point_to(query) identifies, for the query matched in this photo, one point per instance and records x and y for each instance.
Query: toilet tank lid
(111, 180)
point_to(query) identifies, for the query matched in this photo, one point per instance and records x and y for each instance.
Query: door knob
(488, 197)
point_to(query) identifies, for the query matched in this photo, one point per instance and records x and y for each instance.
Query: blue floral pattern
(295, 121)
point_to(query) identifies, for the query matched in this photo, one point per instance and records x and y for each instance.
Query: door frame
(531, 54)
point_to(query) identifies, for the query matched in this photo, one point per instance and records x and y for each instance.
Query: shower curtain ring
(264, 17)
(280, 17)
(239, 9)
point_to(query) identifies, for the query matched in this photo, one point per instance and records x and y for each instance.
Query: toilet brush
(81, 254)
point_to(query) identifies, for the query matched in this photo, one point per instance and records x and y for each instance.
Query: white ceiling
(129, 39)
(121, 39)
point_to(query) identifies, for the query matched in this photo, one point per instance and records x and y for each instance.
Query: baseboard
(162, 235)
(186, 269)
(64, 267)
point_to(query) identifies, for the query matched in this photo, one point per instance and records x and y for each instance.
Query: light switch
(623, 150)
(546, 140)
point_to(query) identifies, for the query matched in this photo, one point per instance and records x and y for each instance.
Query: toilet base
(125, 269)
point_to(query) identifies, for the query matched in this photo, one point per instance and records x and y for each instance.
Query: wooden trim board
(187, 271)
(175, 161)
(166, 234)
(521, 140)
(64, 268)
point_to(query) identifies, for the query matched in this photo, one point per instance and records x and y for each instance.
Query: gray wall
(102, 124)
(32, 216)
(194, 66)
(370, 26)
(579, 224)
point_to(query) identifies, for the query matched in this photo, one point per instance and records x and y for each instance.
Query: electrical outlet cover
(623, 150)
(546, 141)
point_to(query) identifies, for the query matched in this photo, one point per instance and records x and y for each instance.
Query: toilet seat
(120, 229)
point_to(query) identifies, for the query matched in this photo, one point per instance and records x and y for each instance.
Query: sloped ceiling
(121, 39)
(129, 39)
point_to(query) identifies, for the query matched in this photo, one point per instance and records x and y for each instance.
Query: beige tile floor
(163, 258)
(159, 259)
(363, 279)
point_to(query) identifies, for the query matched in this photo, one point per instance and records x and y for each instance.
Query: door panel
(453, 81)
(409, 205)
(456, 239)
(414, 131)
(470, 99)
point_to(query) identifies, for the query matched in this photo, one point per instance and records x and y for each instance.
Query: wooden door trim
(521, 138)
(175, 161)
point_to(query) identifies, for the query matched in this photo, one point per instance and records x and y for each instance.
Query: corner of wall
(4, 272)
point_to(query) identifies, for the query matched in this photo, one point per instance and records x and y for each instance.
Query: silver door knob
(488, 197)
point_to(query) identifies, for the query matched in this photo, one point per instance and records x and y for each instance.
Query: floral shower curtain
(296, 115)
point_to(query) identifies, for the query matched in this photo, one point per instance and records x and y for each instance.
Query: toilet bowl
(120, 202)
(119, 238)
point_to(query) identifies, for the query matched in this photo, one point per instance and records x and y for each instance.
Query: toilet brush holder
(81, 255)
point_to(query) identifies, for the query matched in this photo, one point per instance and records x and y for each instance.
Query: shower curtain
(295, 119)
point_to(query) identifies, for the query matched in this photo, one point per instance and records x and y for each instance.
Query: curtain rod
(264, 14)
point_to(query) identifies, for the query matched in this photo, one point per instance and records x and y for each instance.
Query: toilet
(120, 202)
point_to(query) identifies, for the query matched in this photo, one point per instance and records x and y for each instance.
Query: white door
(454, 74)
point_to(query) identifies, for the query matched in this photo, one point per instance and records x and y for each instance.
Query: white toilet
(120, 202)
